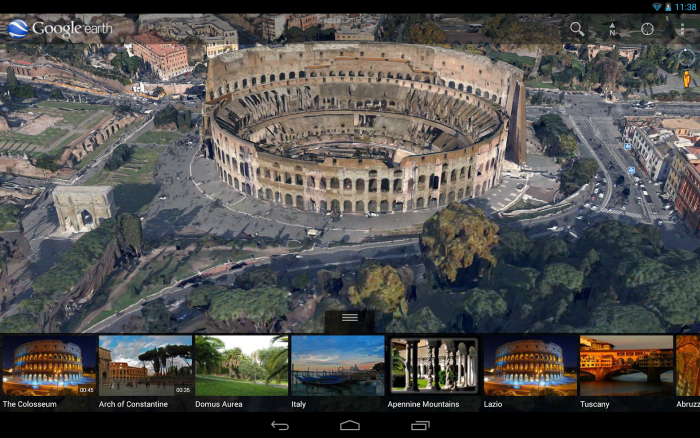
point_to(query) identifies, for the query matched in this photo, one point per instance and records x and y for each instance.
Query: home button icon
(347, 426)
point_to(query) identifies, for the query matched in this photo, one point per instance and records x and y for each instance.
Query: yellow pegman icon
(686, 79)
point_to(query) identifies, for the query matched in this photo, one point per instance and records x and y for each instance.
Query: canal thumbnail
(687, 365)
(158, 365)
(434, 365)
(337, 365)
(246, 365)
(537, 365)
(49, 365)
(619, 365)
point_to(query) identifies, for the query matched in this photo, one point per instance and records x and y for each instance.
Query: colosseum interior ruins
(352, 128)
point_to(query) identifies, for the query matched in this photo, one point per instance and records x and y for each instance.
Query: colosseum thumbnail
(48, 361)
(529, 361)
(359, 127)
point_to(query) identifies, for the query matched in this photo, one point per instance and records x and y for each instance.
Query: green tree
(397, 362)
(277, 364)
(11, 78)
(232, 359)
(207, 352)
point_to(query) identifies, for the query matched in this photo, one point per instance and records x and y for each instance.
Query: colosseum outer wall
(454, 79)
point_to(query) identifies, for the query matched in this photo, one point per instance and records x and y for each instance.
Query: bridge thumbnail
(604, 361)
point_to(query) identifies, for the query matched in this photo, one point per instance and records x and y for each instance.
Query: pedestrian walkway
(622, 213)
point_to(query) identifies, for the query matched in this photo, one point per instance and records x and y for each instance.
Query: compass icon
(686, 57)
(647, 29)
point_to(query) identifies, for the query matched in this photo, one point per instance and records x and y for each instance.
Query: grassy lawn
(422, 384)
(42, 140)
(68, 140)
(526, 204)
(110, 141)
(159, 137)
(217, 386)
(133, 186)
(533, 215)
(71, 105)
(537, 84)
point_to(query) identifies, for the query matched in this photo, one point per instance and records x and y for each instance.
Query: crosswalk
(594, 119)
(622, 213)
(655, 216)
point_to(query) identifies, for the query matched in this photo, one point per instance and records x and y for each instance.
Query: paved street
(600, 137)
(406, 251)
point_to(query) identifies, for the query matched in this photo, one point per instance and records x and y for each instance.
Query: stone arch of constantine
(83, 207)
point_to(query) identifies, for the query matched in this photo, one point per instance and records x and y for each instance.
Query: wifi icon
(657, 6)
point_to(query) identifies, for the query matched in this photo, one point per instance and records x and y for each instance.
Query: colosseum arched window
(282, 76)
(385, 185)
(420, 202)
(372, 185)
(347, 207)
(347, 184)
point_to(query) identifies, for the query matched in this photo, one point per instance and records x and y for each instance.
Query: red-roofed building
(688, 199)
(166, 58)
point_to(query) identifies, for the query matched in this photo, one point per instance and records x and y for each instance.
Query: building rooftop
(680, 123)
(157, 44)
(83, 189)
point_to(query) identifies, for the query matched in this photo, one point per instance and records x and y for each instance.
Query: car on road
(596, 190)
(601, 195)
(520, 186)
(372, 214)
(579, 217)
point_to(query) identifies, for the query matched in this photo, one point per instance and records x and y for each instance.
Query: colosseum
(529, 361)
(48, 361)
(358, 127)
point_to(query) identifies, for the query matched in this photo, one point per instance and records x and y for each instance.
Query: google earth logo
(18, 29)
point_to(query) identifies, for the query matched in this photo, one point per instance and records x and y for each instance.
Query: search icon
(576, 28)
